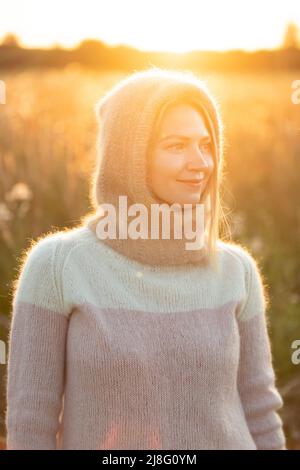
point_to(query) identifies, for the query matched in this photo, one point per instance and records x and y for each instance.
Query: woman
(128, 342)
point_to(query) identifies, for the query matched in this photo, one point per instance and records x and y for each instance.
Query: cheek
(166, 165)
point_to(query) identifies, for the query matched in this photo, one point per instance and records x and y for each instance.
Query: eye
(181, 145)
(206, 146)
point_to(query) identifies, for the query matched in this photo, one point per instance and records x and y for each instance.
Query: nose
(199, 162)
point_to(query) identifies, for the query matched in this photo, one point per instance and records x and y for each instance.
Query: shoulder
(39, 279)
(232, 252)
(38, 254)
(53, 245)
(256, 296)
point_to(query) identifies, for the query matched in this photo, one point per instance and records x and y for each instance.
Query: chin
(192, 201)
(181, 199)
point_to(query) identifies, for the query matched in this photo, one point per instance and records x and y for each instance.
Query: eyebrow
(184, 137)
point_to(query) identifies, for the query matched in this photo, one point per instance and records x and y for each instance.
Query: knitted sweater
(109, 353)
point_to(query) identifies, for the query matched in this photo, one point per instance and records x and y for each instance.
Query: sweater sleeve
(256, 378)
(35, 369)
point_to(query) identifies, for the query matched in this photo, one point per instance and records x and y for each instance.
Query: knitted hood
(127, 116)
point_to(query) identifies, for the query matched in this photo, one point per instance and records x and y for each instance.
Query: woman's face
(182, 153)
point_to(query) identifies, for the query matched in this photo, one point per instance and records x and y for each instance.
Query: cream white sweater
(109, 353)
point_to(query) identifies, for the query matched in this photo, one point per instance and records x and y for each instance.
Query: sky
(157, 25)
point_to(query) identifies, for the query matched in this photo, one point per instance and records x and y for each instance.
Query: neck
(163, 243)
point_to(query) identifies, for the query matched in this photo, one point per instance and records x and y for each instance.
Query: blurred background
(57, 59)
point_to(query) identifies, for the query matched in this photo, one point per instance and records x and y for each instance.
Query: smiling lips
(195, 182)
